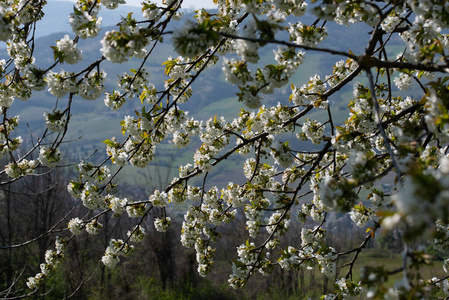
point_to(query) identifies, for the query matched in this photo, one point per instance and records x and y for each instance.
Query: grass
(314, 283)
(393, 262)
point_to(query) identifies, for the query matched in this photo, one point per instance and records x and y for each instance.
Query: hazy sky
(185, 4)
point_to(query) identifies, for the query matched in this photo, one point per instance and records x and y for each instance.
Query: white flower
(111, 4)
(36, 281)
(136, 210)
(118, 47)
(59, 84)
(6, 96)
(403, 81)
(391, 221)
(118, 156)
(111, 50)
(161, 225)
(137, 234)
(5, 30)
(327, 262)
(21, 53)
(92, 87)
(313, 130)
(181, 139)
(118, 205)
(281, 155)
(190, 40)
(75, 226)
(159, 199)
(68, 52)
(23, 168)
(114, 100)
(49, 157)
(90, 196)
(84, 24)
(248, 51)
(75, 188)
(55, 121)
(110, 259)
(390, 22)
(306, 35)
(93, 227)
(34, 77)
(150, 11)
(359, 218)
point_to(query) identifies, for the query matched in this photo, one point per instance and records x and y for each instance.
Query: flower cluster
(93, 227)
(22, 168)
(150, 11)
(49, 157)
(113, 252)
(326, 258)
(84, 21)
(55, 121)
(21, 53)
(119, 46)
(52, 259)
(194, 38)
(310, 93)
(116, 204)
(66, 51)
(162, 225)
(132, 84)
(312, 130)
(76, 226)
(59, 84)
(306, 35)
(112, 4)
(92, 85)
(422, 199)
(137, 234)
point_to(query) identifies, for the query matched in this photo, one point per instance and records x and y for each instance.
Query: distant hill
(205, 102)
(57, 12)
(212, 95)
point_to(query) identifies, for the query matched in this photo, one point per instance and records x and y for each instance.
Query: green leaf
(169, 64)
(56, 52)
(109, 143)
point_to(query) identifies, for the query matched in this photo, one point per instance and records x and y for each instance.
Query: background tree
(384, 162)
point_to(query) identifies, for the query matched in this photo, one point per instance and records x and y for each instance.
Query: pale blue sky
(186, 3)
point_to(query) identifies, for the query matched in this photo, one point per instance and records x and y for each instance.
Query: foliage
(386, 165)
